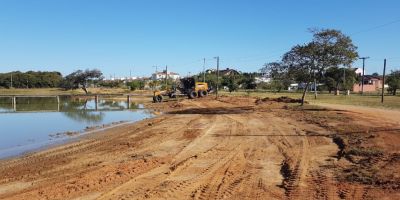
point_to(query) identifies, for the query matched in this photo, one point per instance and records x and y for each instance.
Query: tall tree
(81, 79)
(328, 48)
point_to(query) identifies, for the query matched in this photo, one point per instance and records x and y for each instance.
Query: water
(38, 122)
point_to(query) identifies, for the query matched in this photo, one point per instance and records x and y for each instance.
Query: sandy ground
(233, 148)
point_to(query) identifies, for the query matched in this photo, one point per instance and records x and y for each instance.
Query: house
(228, 72)
(371, 84)
(223, 72)
(163, 74)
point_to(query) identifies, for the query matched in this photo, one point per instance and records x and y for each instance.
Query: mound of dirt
(283, 99)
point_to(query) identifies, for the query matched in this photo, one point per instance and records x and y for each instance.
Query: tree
(393, 81)
(247, 81)
(211, 79)
(278, 73)
(328, 48)
(81, 79)
(136, 84)
(230, 82)
(111, 83)
(335, 77)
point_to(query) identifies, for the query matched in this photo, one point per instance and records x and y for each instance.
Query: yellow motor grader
(185, 87)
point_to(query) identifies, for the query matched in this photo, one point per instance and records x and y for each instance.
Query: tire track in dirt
(185, 156)
(302, 171)
(252, 168)
(193, 185)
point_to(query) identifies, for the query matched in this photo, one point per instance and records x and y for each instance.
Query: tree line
(39, 79)
(30, 79)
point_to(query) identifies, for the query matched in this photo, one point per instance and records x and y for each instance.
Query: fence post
(14, 99)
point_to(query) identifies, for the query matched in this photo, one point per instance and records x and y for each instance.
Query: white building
(162, 75)
(262, 79)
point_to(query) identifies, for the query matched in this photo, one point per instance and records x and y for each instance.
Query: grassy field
(390, 102)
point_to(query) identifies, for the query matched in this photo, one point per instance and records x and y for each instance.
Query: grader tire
(159, 98)
(202, 93)
(172, 95)
(192, 94)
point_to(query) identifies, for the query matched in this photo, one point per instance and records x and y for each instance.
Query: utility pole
(344, 78)
(155, 73)
(216, 92)
(204, 70)
(363, 72)
(11, 81)
(166, 76)
(383, 80)
(155, 77)
(315, 86)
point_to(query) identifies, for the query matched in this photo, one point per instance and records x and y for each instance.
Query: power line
(376, 27)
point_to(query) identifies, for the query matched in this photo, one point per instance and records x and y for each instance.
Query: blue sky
(122, 36)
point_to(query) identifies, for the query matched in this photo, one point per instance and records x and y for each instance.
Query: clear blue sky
(119, 36)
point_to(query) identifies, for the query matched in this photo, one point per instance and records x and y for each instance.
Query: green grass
(390, 102)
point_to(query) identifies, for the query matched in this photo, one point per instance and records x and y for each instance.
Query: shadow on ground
(216, 110)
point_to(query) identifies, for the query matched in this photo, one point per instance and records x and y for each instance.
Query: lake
(35, 122)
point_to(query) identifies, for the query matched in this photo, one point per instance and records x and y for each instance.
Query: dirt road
(204, 149)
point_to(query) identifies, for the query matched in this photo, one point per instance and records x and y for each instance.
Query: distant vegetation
(30, 79)
(232, 82)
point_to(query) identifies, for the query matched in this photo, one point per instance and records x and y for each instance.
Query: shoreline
(55, 140)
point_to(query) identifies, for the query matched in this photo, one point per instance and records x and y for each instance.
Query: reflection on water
(28, 123)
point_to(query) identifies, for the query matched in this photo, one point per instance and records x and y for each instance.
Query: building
(163, 74)
(262, 79)
(371, 84)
